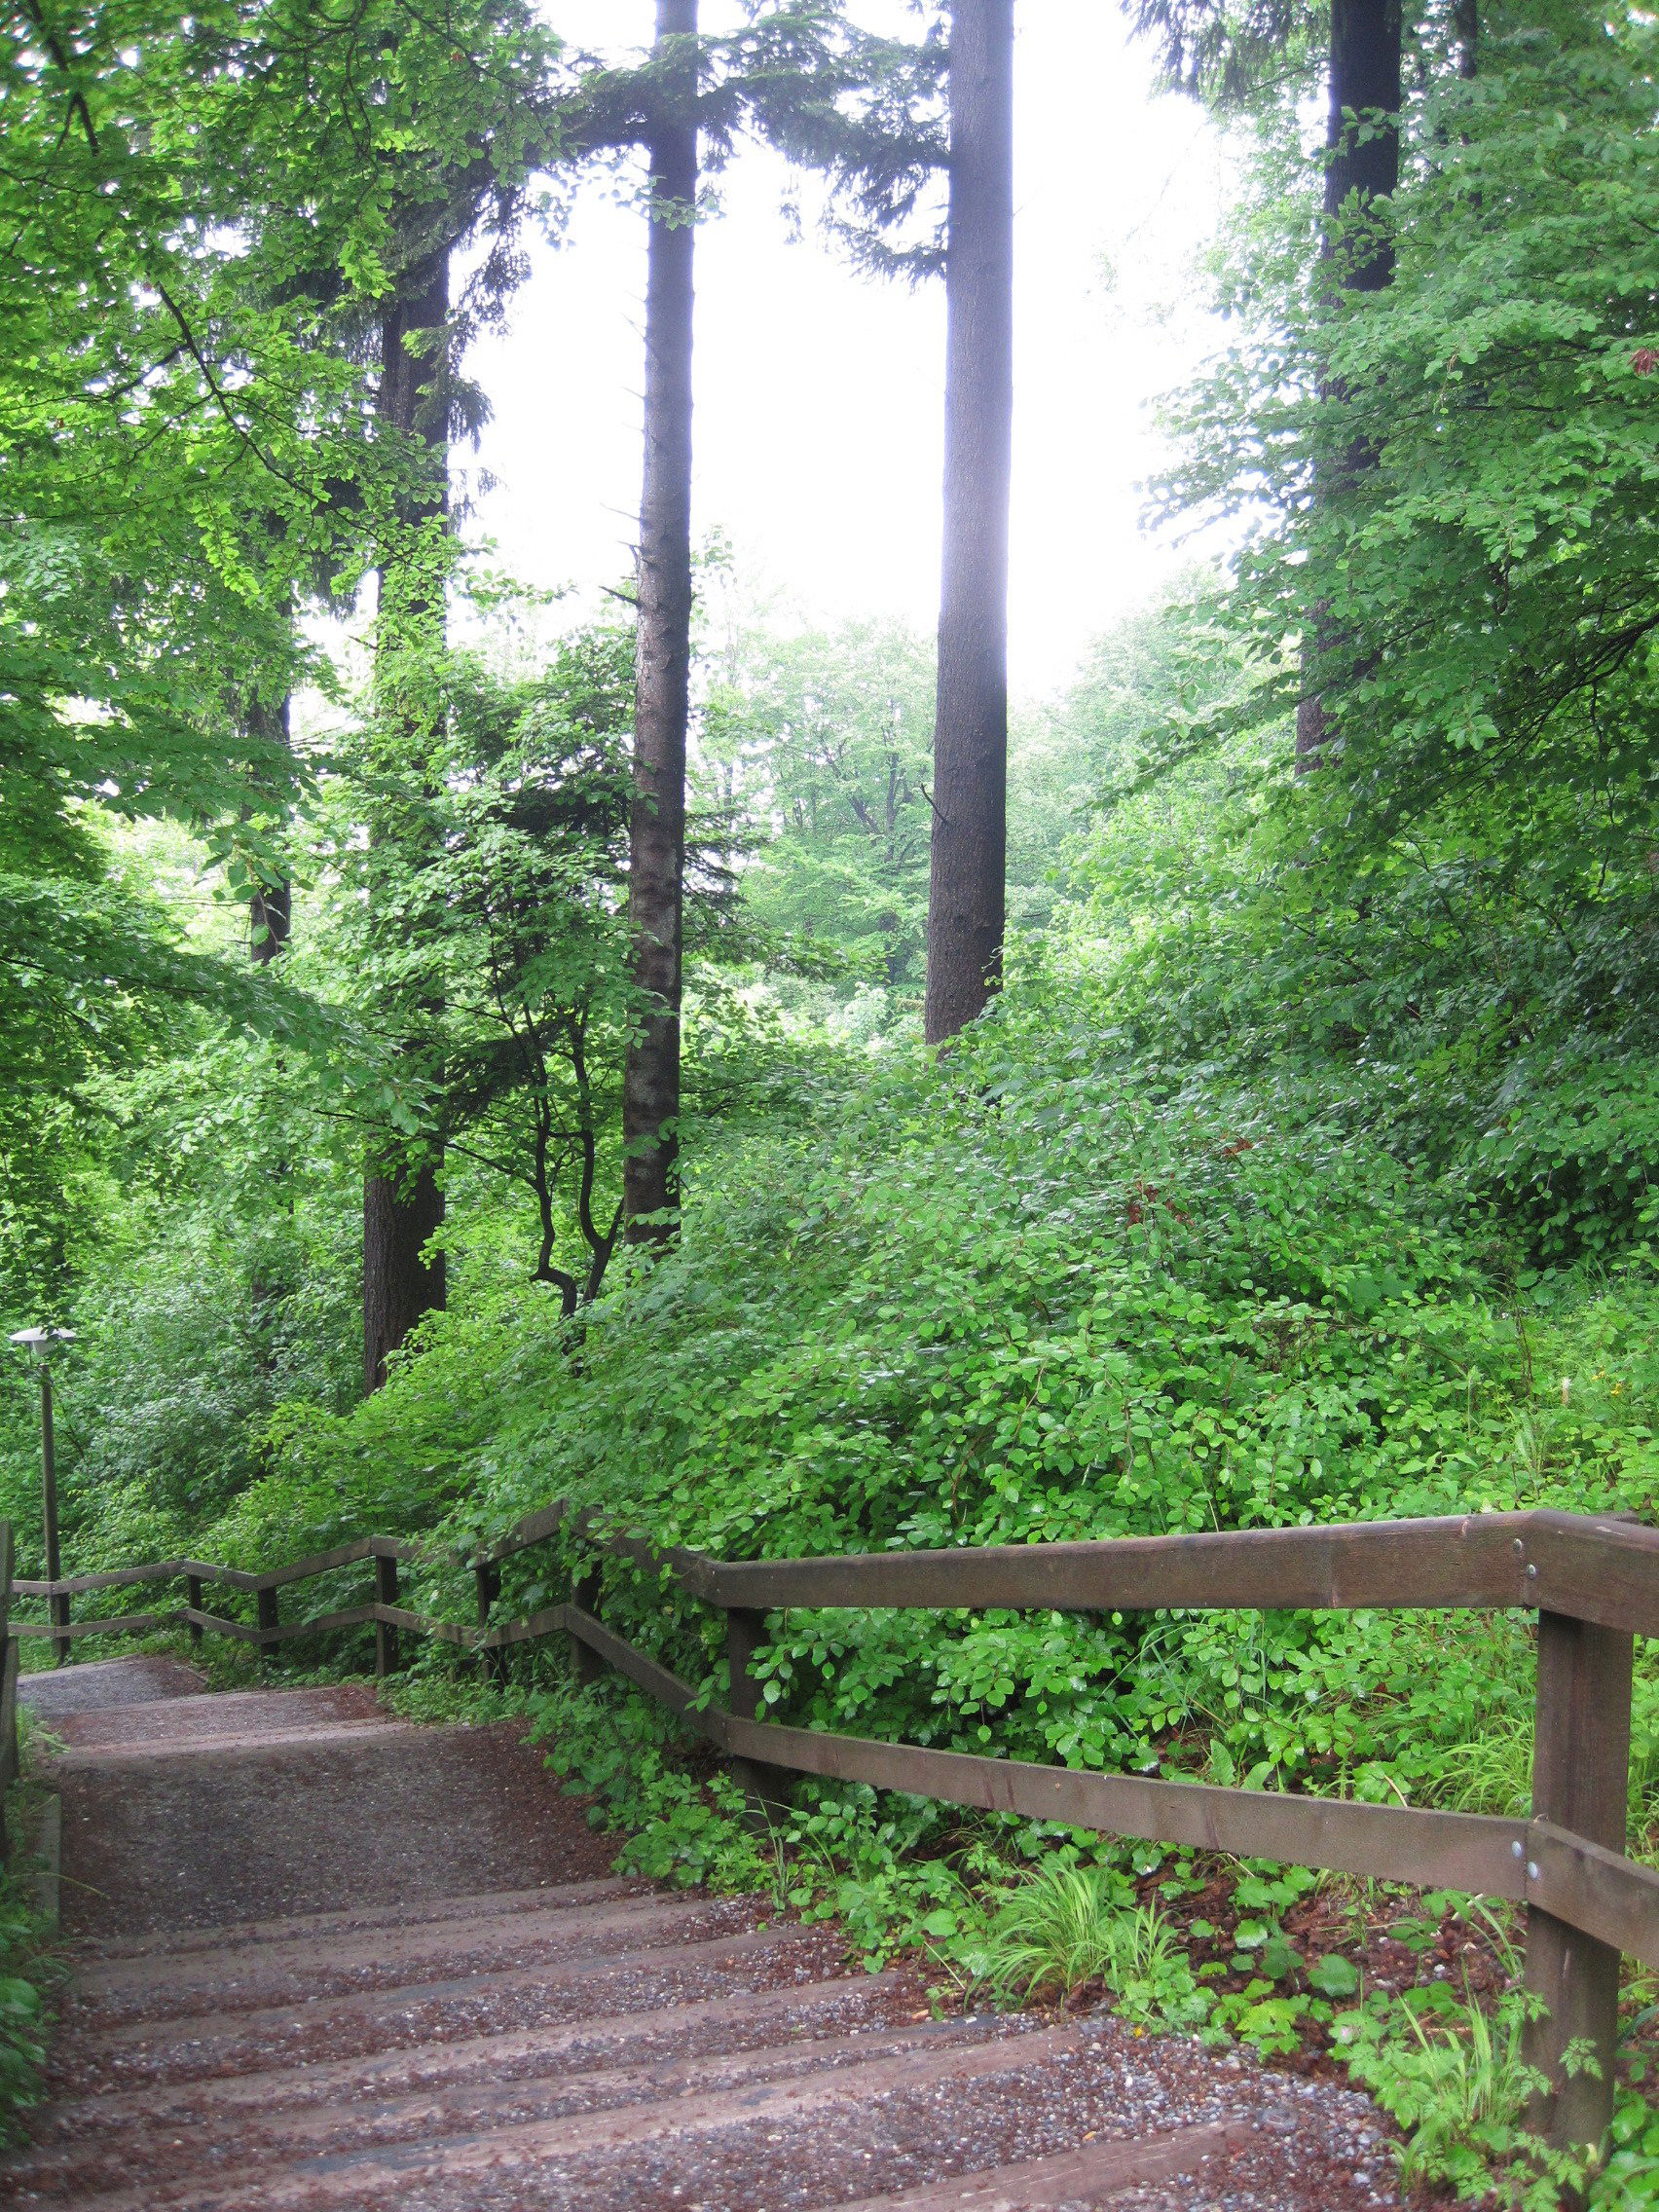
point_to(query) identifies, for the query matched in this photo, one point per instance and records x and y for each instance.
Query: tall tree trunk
(966, 890)
(271, 909)
(269, 924)
(656, 839)
(1365, 80)
(1360, 170)
(1466, 28)
(403, 1205)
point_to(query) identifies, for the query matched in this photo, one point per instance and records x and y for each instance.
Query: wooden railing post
(9, 1657)
(10, 1763)
(1580, 1781)
(386, 1636)
(266, 1617)
(585, 1664)
(765, 1786)
(57, 1608)
(192, 1598)
(488, 1577)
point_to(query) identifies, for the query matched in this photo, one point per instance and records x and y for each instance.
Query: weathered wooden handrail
(1603, 1571)
(1594, 1581)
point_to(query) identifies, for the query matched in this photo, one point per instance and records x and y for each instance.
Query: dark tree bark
(657, 844)
(403, 1205)
(1360, 171)
(1466, 25)
(401, 1283)
(966, 891)
(1365, 81)
(271, 909)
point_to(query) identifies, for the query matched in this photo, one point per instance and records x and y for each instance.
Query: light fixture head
(35, 1338)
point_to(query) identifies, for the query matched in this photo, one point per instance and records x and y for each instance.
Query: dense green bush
(1025, 1296)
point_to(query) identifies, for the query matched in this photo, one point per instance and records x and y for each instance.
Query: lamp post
(39, 1340)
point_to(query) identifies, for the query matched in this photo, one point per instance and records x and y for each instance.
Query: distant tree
(403, 1204)
(967, 891)
(1362, 170)
(270, 901)
(466, 110)
(529, 894)
(1239, 55)
(656, 866)
(822, 744)
(800, 77)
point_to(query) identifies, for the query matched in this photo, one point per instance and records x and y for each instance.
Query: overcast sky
(820, 392)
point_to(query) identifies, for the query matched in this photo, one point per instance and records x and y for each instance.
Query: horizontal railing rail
(1600, 1569)
(1594, 1582)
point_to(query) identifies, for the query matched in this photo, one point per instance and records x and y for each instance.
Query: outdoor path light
(40, 1342)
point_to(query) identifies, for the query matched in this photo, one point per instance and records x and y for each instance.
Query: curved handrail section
(1593, 1581)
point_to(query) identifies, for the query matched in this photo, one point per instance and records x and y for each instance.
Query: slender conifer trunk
(271, 909)
(403, 1205)
(656, 845)
(1360, 171)
(966, 891)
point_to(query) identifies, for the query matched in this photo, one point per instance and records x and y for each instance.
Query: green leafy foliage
(1066, 1926)
(1453, 2075)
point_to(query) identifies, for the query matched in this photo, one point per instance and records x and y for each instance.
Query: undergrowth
(1416, 1995)
(30, 1967)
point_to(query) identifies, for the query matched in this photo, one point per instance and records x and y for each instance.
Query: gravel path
(330, 1962)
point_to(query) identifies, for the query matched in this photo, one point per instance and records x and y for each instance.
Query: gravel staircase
(434, 2000)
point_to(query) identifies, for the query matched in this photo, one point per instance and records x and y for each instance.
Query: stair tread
(1092, 2174)
(456, 2109)
(78, 1757)
(338, 2178)
(546, 2043)
(349, 1919)
(245, 1977)
(217, 1713)
(401, 2071)
(198, 2042)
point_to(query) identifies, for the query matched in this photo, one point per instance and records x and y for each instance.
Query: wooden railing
(1593, 1582)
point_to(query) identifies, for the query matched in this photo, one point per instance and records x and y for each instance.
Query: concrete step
(301, 1969)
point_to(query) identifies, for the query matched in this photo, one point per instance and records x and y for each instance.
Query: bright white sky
(820, 392)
